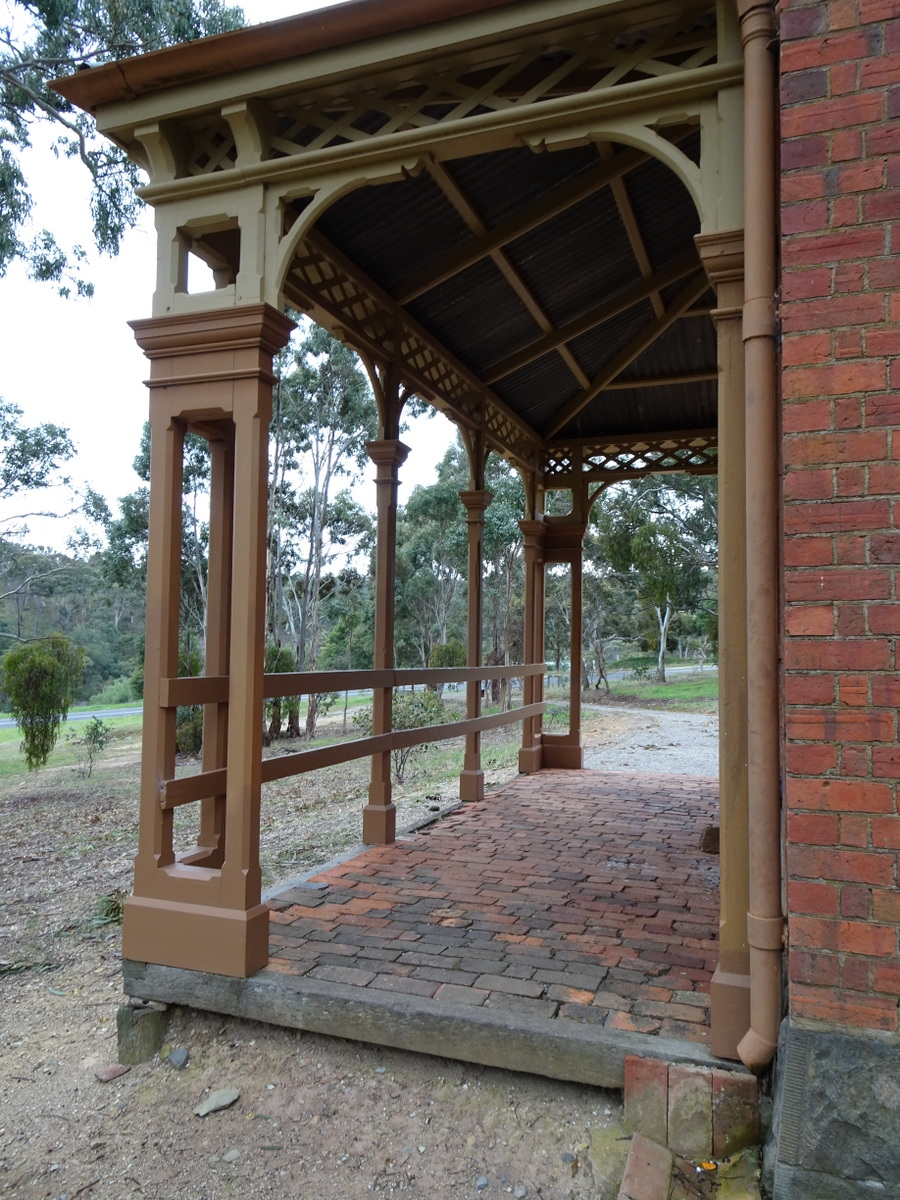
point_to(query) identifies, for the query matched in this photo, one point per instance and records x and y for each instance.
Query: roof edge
(258, 45)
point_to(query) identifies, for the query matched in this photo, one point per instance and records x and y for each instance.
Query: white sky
(75, 362)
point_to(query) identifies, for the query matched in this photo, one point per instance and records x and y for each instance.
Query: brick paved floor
(573, 896)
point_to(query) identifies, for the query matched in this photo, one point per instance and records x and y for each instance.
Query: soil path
(317, 1117)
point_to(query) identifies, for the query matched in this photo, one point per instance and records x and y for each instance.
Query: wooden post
(213, 371)
(563, 543)
(723, 257)
(379, 815)
(534, 531)
(471, 779)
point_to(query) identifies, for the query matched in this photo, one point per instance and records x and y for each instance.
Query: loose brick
(735, 1107)
(646, 1097)
(690, 1111)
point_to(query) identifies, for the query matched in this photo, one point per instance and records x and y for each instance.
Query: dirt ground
(316, 1117)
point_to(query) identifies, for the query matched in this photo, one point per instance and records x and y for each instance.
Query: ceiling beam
(621, 385)
(632, 229)
(518, 224)
(672, 272)
(460, 202)
(629, 352)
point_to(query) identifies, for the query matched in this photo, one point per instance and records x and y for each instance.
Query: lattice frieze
(692, 452)
(320, 281)
(212, 147)
(581, 60)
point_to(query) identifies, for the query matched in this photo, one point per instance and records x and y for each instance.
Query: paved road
(102, 713)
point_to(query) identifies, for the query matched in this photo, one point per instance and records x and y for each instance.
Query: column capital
(475, 502)
(253, 325)
(722, 255)
(389, 452)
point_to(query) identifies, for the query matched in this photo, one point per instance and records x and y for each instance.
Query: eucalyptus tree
(323, 415)
(659, 534)
(41, 40)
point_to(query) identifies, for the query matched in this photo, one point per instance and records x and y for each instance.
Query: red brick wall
(840, 192)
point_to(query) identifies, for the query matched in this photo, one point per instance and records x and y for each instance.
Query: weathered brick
(809, 689)
(852, 866)
(811, 620)
(821, 448)
(814, 829)
(853, 690)
(647, 1097)
(814, 899)
(843, 1008)
(838, 379)
(847, 655)
(844, 937)
(840, 795)
(813, 967)
(735, 1107)
(831, 725)
(838, 584)
(854, 831)
(690, 1110)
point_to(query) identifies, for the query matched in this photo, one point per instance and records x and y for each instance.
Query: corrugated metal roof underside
(571, 263)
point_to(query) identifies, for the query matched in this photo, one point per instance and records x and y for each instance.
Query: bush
(189, 729)
(96, 737)
(41, 680)
(114, 691)
(409, 710)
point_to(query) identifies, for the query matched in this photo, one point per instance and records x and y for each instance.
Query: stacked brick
(840, 214)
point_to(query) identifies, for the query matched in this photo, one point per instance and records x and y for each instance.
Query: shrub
(41, 679)
(189, 729)
(409, 710)
(114, 691)
(96, 737)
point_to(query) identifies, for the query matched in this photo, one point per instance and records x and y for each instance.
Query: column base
(729, 996)
(562, 754)
(379, 824)
(471, 786)
(221, 941)
(531, 759)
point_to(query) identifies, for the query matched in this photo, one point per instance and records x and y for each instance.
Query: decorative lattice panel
(568, 63)
(693, 452)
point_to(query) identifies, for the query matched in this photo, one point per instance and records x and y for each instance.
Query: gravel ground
(317, 1117)
(668, 743)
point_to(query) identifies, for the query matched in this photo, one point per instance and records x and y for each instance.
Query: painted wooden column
(214, 755)
(380, 815)
(471, 779)
(534, 531)
(563, 544)
(723, 257)
(210, 372)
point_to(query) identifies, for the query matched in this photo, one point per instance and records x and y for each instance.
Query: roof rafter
(678, 268)
(460, 202)
(530, 217)
(629, 352)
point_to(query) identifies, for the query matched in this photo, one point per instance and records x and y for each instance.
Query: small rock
(421, 1149)
(108, 1074)
(481, 1183)
(179, 1058)
(380, 1070)
(568, 1158)
(231, 1156)
(521, 1192)
(216, 1101)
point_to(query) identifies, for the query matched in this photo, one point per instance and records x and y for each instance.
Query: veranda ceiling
(547, 291)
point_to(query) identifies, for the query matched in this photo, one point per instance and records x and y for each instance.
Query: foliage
(96, 737)
(660, 534)
(41, 679)
(323, 415)
(189, 729)
(409, 710)
(42, 40)
(446, 655)
(110, 909)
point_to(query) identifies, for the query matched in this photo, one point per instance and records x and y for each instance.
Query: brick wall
(840, 191)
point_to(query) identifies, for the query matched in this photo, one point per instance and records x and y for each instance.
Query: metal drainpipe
(765, 922)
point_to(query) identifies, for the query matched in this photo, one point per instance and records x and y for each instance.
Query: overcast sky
(75, 362)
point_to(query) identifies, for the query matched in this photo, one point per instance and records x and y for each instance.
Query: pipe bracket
(765, 933)
(759, 318)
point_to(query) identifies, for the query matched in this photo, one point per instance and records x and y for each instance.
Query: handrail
(189, 788)
(213, 689)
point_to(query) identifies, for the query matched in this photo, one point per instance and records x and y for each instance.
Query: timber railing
(213, 689)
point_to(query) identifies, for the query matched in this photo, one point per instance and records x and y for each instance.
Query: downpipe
(765, 921)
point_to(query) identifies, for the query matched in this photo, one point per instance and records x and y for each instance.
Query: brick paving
(570, 896)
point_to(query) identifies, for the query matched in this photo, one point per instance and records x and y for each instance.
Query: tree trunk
(663, 618)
